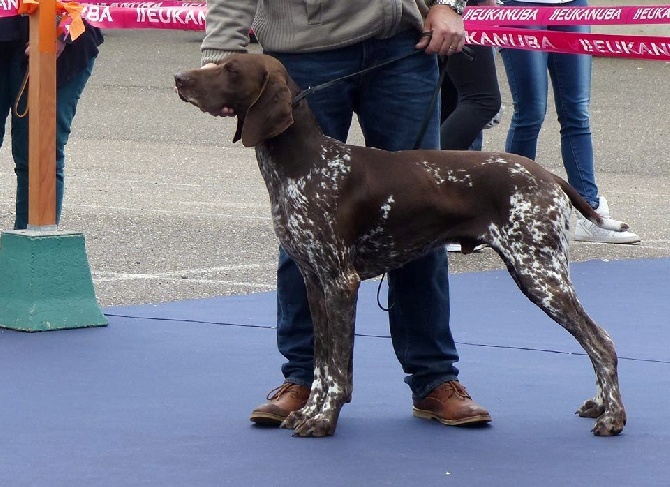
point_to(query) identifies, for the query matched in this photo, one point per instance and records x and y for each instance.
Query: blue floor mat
(162, 395)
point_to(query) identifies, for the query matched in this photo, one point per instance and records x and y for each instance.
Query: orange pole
(42, 113)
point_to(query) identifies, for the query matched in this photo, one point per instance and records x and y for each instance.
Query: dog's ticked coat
(346, 213)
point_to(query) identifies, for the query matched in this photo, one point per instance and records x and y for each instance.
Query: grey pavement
(172, 210)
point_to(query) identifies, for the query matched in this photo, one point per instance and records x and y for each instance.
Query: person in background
(470, 99)
(317, 44)
(449, 101)
(528, 74)
(73, 68)
(470, 95)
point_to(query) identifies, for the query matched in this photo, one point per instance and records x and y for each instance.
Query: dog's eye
(229, 68)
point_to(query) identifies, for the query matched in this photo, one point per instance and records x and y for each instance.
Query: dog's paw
(590, 409)
(610, 424)
(315, 427)
(293, 419)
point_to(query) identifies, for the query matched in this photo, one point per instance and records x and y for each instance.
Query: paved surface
(172, 210)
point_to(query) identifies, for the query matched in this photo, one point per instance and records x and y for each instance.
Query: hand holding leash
(447, 29)
(466, 51)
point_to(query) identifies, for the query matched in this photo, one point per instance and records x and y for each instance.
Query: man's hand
(225, 111)
(448, 32)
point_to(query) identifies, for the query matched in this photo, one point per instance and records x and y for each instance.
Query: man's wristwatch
(457, 6)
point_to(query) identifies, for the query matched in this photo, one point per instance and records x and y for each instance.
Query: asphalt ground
(172, 210)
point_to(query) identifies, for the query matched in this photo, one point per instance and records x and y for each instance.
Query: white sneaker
(586, 231)
(496, 118)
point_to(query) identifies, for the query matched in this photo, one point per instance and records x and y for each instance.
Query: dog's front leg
(319, 389)
(333, 317)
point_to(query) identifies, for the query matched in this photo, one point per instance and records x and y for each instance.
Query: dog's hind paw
(590, 409)
(609, 424)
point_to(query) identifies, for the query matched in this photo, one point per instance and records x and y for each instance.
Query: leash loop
(19, 96)
(379, 289)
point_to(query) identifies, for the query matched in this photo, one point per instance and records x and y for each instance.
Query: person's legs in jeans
(571, 82)
(67, 97)
(527, 73)
(20, 142)
(67, 100)
(529, 83)
(10, 81)
(428, 309)
(393, 104)
(12, 69)
(528, 76)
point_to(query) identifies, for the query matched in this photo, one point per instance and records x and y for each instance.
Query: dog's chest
(304, 205)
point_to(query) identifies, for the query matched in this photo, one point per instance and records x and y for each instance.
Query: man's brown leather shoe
(282, 400)
(451, 404)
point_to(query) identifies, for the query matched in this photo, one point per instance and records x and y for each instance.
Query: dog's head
(255, 86)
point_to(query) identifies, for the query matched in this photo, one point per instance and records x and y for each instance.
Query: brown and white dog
(346, 213)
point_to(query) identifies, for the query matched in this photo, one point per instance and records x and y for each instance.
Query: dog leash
(466, 51)
(304, 93)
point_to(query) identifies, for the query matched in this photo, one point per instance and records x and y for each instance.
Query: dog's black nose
(182, 79)
(181, 84)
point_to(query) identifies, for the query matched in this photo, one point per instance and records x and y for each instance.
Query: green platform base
(45, 282)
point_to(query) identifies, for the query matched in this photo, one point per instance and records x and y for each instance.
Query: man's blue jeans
(391, 103)
(528, 74)
(67, 97)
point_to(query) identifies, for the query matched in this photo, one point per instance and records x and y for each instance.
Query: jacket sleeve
(227, 27)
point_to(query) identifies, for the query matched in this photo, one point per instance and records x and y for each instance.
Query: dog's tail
(585, 209)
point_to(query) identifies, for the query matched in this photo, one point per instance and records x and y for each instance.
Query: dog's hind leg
(541, 272)
(333, 308)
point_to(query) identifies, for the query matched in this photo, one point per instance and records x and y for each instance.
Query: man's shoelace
(279, 391)
(458, 389)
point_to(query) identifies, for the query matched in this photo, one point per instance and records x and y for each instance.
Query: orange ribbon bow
(70, 13)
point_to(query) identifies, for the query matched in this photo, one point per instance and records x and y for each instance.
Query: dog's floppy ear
(270, 114)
